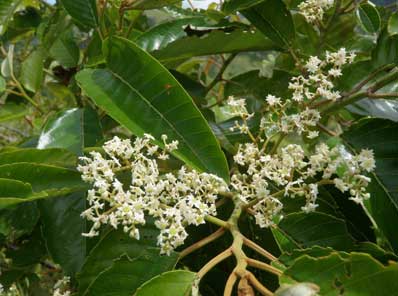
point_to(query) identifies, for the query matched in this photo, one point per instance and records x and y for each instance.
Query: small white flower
(272, 100)
(313, 64)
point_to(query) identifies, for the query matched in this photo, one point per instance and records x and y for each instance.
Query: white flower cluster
(173, 200)
(316, 85)
(292, 172)
(60, 288)
(238, 109)
(313, 10)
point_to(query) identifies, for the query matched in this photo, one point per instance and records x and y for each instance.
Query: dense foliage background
(78, 72)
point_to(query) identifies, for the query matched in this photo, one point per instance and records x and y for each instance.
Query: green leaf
(32, 73)
(301, 230)
(215, 42)
(65, 51)
(94, 52)
(339, 274)
(28, 252)
(152, 4)
(62, 230)
(231, 6)
(274, 20)
(145, 98)
(9, 187)
(252, 84)
(369, 17)
(381, 136)
(57, 157)
(42, 177)
(119, 264)
(7, 9)
(72, 129)
(172, 283)
(12, 111)
(83, 11)
(393, 24)
(386, 51)
(195, 89)
(3, 85)
(160, 36)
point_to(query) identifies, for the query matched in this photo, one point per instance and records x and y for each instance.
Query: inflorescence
(174, 200)
(313, 10)
(262, 180)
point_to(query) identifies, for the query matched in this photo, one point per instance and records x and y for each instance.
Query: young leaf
(65, 51)
(152, 4)
(177, 282)
(83, 11)
(32, 73)
(145, 98)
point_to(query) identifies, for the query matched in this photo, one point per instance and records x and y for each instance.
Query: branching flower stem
(263, 266)
(255, 247)
(203, 242)
(213, 262)
(236, 249)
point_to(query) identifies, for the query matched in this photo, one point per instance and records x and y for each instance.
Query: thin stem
(326, 130)
(370, 77)
(257, 285)
(221, 72)
(257, 200)
(255, 247)
(24, 94)
(191, 4)
(297, 60)
(263, 266)
(278, 142)
(383, 95)
(390, 77)
(213, 262)
(196, 246)
(217, 221)
(229, 286)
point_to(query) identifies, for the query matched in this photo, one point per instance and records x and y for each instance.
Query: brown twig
(263, 266)
(255, 247)
(213, 262)
(196, 246)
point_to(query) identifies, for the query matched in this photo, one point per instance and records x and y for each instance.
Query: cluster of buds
(313, 10)
(173, 200)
